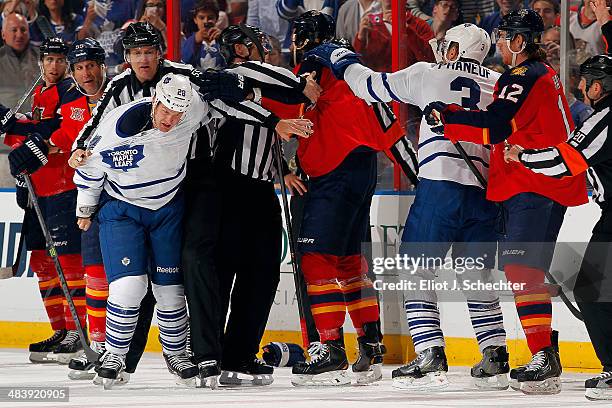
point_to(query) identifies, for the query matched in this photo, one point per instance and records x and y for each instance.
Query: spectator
(472, 11)
(263, 14)
(154, 12)
(549, 10)
(237, 11)
(64, 22)
(583, 26)
(275, 57)
(18, 60)
(351, 14)
(491, 22)
(445, 14)
(421, 8)
(201, 48)
(373, 41)
(27, 8)
(290, 9)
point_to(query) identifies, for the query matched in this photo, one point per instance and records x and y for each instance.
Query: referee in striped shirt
(589, 150)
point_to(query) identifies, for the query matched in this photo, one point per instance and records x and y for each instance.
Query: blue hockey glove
(333, 56)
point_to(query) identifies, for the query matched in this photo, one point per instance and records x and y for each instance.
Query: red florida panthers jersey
(75, 111)
(56, 176)
(342, 122)
(530, 110)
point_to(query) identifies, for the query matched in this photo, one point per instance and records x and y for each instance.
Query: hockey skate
(514, 383)
(491, 373)
(541, 375)
(328, 368)
(68, 348)
(368, 367)
(208, 376)
(249, 373)
(112, 371)
(180, 366)
(599, 388)
(41, 352)
(83, 369)
(426, 372)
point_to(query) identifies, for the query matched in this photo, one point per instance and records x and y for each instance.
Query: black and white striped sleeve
(404, 154)
(247, 111)
(262, 74)
(587, 146)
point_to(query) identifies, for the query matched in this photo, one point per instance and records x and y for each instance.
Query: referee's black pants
(593, 288)
(248, 265)
(200, 237)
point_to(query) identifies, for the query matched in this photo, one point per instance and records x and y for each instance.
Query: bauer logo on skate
(123, 157)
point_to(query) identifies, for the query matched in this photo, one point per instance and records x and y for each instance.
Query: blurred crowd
(367, 24)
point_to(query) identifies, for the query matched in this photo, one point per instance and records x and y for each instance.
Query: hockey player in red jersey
(57, 194)
(340, 159)
(529, 109)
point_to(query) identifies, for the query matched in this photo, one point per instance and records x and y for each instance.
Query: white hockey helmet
(474, 42)
(174, 92)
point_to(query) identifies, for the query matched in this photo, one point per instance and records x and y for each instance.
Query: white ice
(153, 386)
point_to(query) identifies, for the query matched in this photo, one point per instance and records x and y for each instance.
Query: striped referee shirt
(125, 88)
(589, 149)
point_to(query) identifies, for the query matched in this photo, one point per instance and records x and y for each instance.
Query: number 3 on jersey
(459, 84)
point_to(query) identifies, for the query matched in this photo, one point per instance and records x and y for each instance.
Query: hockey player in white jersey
(450, 206)
(132, 181)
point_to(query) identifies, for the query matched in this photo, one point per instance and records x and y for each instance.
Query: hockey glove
(7, 119)
(283, 354)
(224, 85)
(30, 156)
(23, 197)
(333, 56)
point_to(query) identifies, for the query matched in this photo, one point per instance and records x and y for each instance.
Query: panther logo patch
(77, 114)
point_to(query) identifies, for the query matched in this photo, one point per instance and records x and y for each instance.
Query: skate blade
(598, 394)
(432, 381)
(64, 358)
(43, 357)
(211, 382)
(514, 384)
(373, 375)
(82, 374)
(495, 382)
(121, 380)
(331, 378)
(546, 387)
(236, 379)
(185, 382)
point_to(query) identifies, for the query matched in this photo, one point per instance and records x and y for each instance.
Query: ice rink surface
(153, 386)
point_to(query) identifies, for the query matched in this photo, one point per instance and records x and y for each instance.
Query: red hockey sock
(359, 295)
(326, 300)
(532, 304)
(97, 295)
(49, 286)
(72, 265)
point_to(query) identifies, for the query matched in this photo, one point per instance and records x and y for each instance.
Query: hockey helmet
(245, 34)
(174, 92)
(598, 68)
(473, 42)
(54, 45)
(311, 29)
(141, 34)
(87, 49)
(525, 22)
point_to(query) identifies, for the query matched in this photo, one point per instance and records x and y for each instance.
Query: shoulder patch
(519, 71)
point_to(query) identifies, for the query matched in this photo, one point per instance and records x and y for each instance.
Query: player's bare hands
(78, 158)
(312, 90)
(294, 184)
(511, 153)
(600, 8)
(84, 223)
(299, 127)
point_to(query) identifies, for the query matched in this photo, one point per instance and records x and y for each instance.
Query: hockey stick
(45, 27)
(297, 278)
(573, 309)
(20, 102)
(91, 355)
(11, 271)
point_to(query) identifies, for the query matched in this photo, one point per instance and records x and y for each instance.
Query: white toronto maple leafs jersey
(144, 169)
(465, 83)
